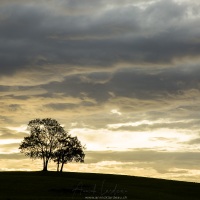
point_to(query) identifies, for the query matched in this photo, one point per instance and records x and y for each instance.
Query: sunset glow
(122, 76)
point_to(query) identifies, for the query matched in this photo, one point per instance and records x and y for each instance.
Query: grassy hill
(68, 185)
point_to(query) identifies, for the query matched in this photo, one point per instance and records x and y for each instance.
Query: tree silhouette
(70, 149)
(43, 140)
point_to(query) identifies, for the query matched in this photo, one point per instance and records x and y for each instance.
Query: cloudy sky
(121, 75)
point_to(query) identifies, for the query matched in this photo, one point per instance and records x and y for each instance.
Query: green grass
(68, 185)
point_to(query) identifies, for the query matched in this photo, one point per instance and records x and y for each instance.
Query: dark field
(53, 185)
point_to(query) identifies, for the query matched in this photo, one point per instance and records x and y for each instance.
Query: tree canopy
(70, 149)
(49, 141)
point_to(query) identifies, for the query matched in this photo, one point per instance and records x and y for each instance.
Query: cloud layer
(118, 75)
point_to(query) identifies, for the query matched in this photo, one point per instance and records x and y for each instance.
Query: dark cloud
(61, 106)
(193, 142)
(33, 35)
(145, 84)
(95, 63)
(78, 86)
(162, 162)
(12, 156)
(156, 126)
(139, 84)
(6, 133)
(8, 146)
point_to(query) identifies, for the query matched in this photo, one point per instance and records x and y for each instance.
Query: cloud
(117, 74)
(141, 155)
(149, 163)
(9, 135)
(159, 164)
(12, 156)
(35, 35)
(195, 141)
(153, 125)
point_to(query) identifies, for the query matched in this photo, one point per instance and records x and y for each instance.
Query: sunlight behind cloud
(123, 75)
(115, 126)
(10, 141)
(115, 111)
(22, 128)
(103, 139)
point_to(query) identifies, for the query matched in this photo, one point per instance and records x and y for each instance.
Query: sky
(123, 76)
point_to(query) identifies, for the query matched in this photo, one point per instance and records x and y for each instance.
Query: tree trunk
(61, 169)
(44, 168)
(45, 164)
(58, 165)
